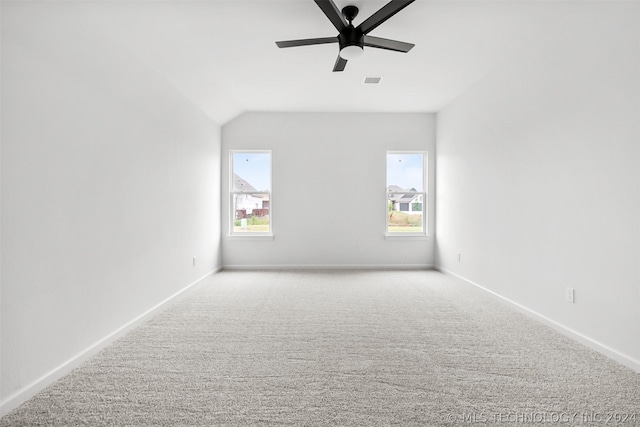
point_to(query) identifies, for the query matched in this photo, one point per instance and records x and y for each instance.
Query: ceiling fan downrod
(350, 13)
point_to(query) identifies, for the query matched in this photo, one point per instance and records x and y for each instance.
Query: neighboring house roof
(240, 184)
(403, 198)
(395, 188)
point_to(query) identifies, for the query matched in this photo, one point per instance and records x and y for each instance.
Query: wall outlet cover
(570, 294)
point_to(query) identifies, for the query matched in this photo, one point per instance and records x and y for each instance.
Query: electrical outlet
(459, 257)
(570, 294)
(194, 261)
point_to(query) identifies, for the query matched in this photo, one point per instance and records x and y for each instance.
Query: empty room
(319, 212)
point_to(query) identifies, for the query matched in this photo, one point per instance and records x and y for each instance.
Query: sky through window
(255, 168)
(405, 170)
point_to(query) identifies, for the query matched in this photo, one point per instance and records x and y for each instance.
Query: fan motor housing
(351, 37)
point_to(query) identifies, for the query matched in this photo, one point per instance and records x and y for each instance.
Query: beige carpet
(344, 348)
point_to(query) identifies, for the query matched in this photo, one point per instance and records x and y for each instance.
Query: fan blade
(307, 42)
(333, 13)
(381, 43)
(386, 12)
(340, 64)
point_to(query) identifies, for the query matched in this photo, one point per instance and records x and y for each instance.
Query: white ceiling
(222, 56)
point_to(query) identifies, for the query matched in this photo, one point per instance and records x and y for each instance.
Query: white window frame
(423, 193)
(233, 193)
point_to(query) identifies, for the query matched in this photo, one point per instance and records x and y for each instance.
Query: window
(250, 184)
(406, 183)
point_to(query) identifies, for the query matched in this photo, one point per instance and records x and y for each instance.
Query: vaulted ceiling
(221, 54)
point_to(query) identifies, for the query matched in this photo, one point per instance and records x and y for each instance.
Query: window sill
(406, 237)
(249, 236)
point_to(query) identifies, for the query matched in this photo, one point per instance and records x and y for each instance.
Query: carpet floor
(339, 348)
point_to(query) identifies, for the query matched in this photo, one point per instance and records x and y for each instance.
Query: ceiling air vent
(372, 80)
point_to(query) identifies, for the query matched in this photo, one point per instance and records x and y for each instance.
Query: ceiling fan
(350, 39)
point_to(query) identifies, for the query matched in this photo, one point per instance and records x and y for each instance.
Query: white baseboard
(601, 348)
(272, 267)
(27, 392)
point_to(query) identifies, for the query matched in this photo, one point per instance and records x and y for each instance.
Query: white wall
(336, 164)
(110, 187)
(538, 178)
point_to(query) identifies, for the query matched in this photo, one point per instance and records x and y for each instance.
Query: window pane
(404, 212)
(251, 171)
(405, 172)
(251, 213)
(405, 192)
(251, 191)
